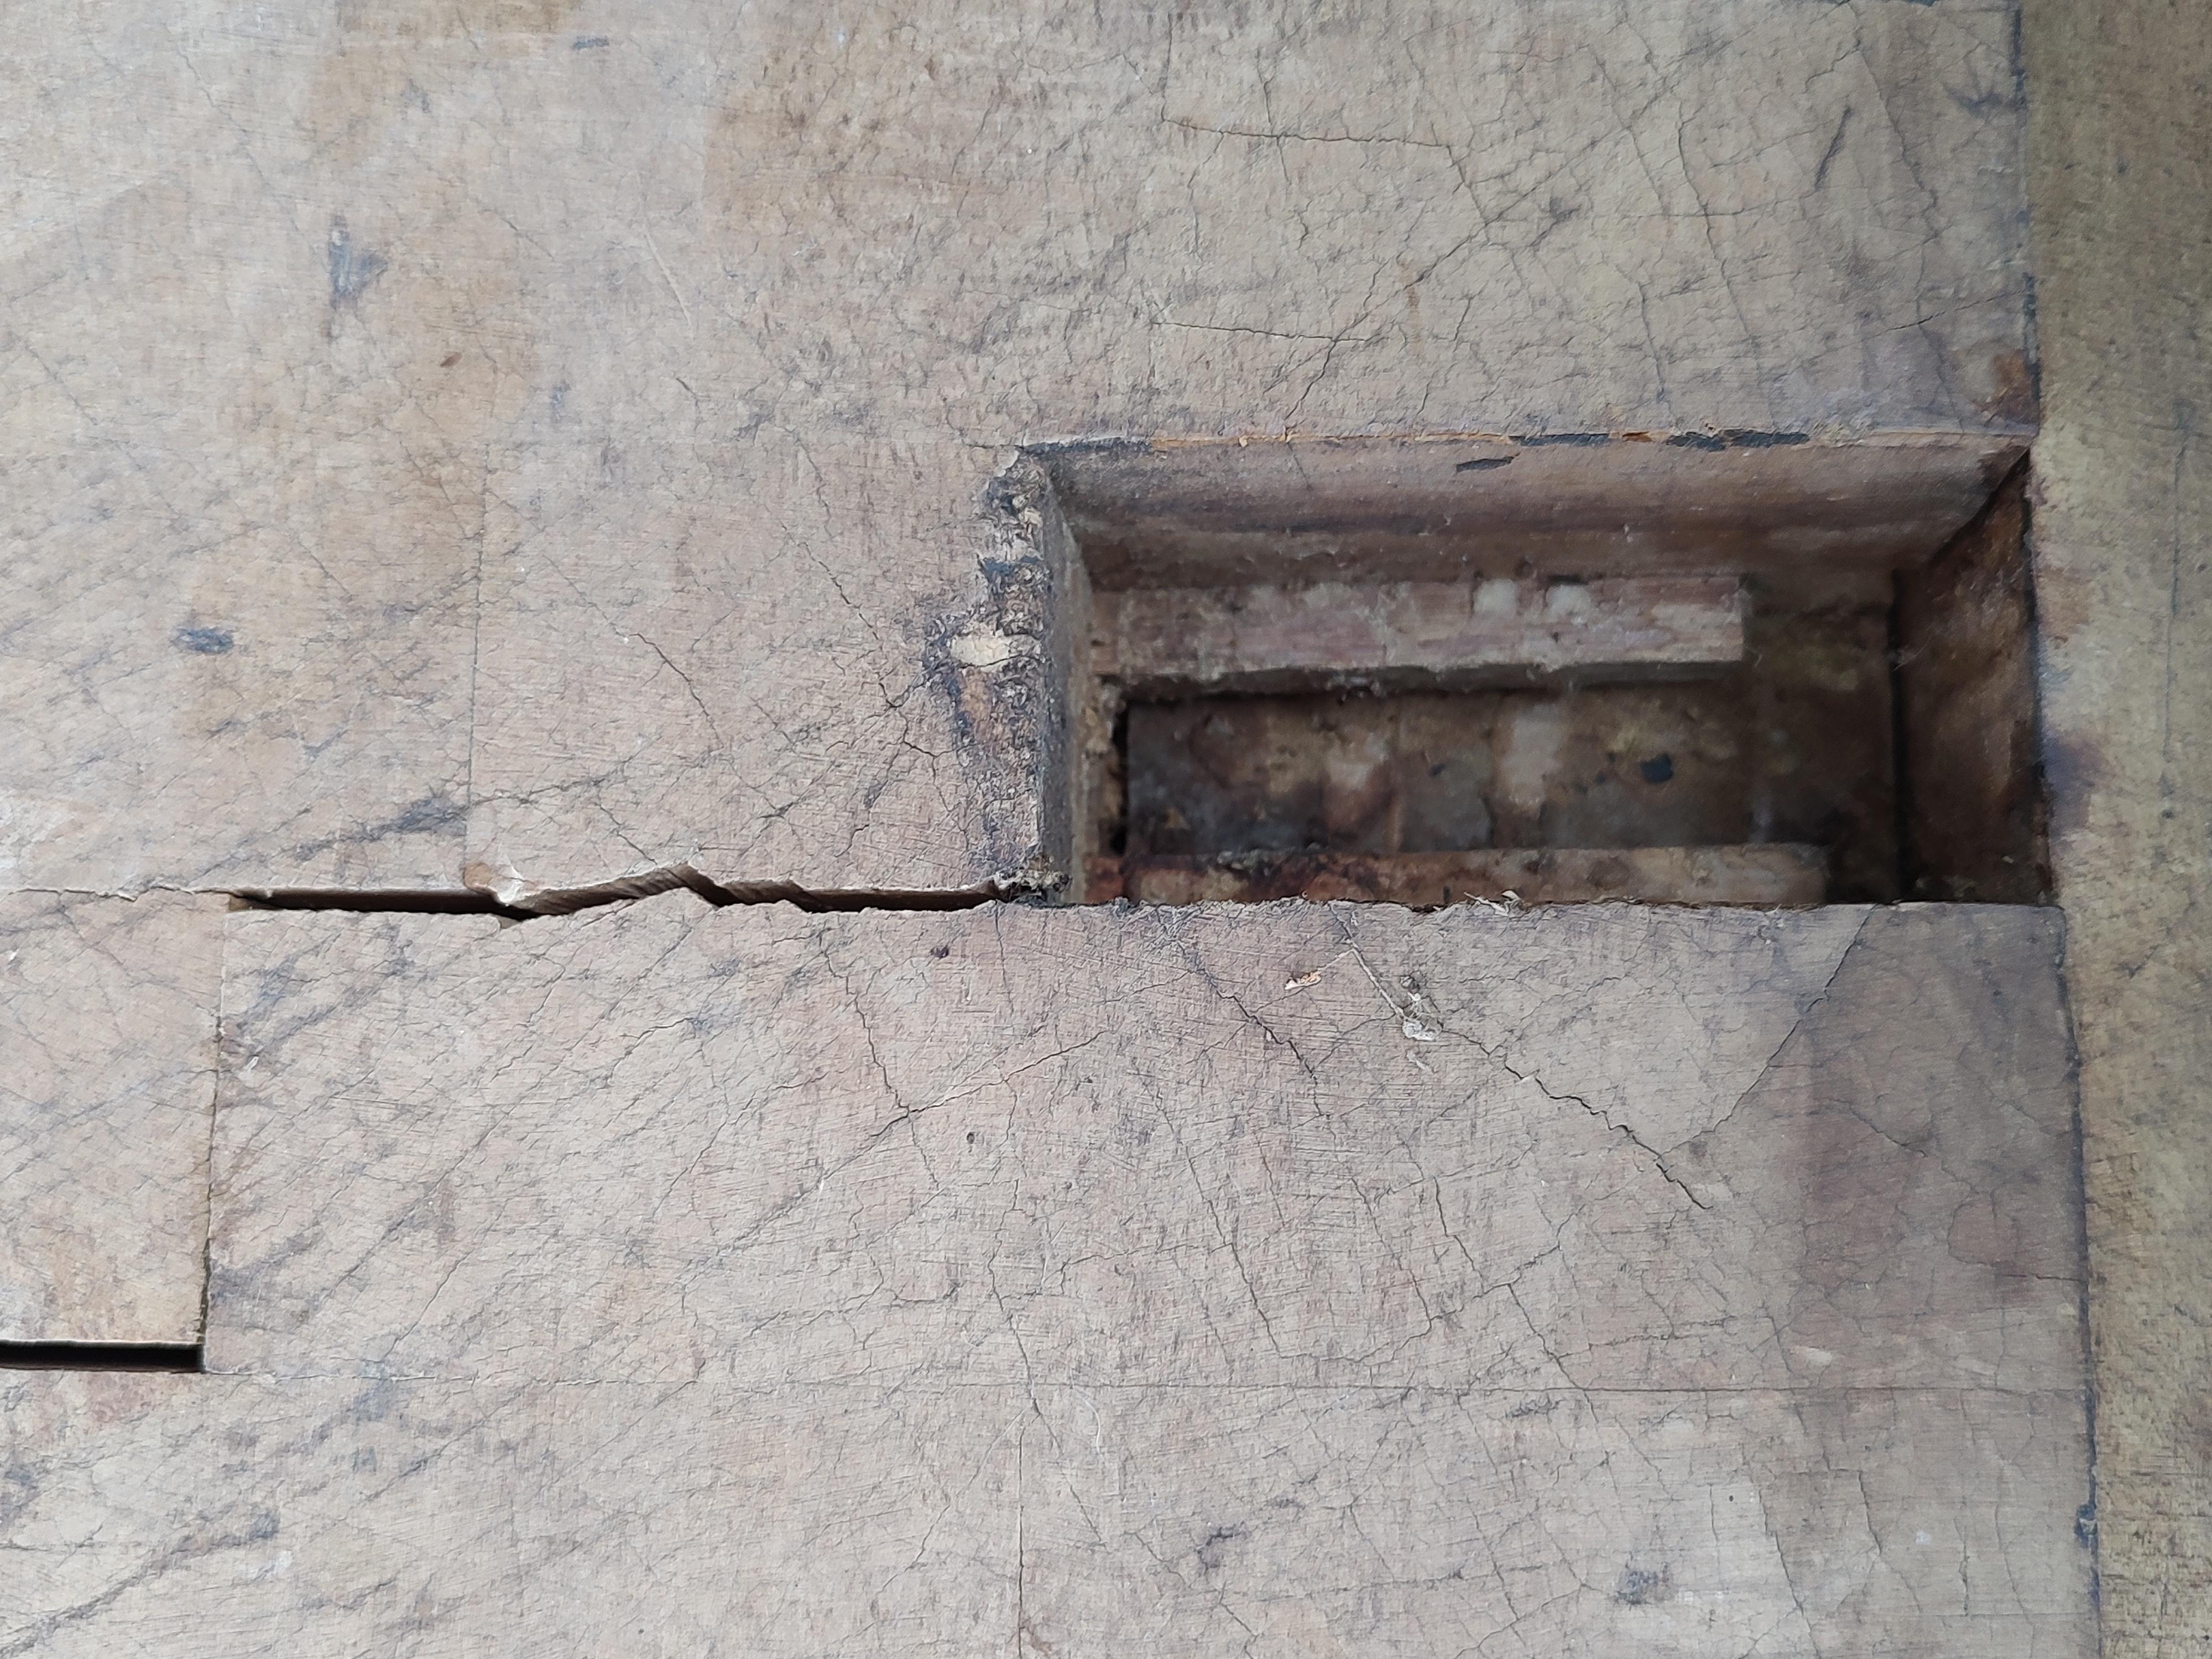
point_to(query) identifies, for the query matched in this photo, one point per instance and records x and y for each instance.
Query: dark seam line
(559, 903)
(102, 1356)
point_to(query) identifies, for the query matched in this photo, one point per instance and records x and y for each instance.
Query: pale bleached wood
(1388, 1521)
(217, 1518)
(603, 1147)
(1601, 1280)
(107, 1078)
(244, 434)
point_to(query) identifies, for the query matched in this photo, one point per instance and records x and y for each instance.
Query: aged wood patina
(641, 651)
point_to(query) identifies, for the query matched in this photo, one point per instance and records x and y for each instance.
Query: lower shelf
(1774, 875)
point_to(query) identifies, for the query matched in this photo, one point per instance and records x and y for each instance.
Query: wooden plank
(244, 420)
(107, 1077)
(1481, 632)
(1192, 1524)
(2122, 495)
(1771, 875)
(568, 1164)
(741, 609)
(210, 1517)
(1609, 1280)
(1600, 1280)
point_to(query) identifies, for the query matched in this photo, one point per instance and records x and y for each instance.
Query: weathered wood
(215, 1517)
(1596, 1280)
(1222, 1523)
(2122, 498)
(604, 430)
(592, 438)
(107, 1078)
(221, 1518)
(1773, 875)
(244, 433)
(602, 1145)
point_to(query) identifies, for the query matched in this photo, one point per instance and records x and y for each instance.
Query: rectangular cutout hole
(1737, 670)
(102, 1357)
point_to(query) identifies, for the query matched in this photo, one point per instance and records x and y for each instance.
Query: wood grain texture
(206, 1518)
(2123, 495)
(1177, 1282)
(583, 425)
(107, 1079)
(1414, 1521)
(245, 483)
(675, 1102)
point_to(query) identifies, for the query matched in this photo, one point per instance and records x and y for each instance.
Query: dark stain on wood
(1975, 811)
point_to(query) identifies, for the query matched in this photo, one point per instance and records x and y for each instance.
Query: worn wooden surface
(108, 1079)
(220, 1517)
(512, 445)
(581, 425)
(2122, 497)
(244, 489)
(1618, 1279)
(209, 1519)
(699, 1133)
